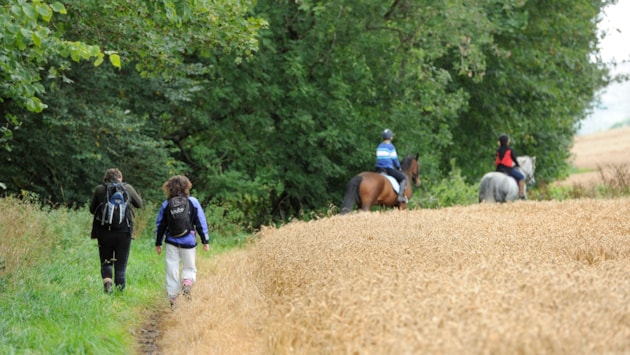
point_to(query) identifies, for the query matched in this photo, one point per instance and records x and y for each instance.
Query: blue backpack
(115, 212)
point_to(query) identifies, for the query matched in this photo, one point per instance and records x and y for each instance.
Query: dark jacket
(96, 208)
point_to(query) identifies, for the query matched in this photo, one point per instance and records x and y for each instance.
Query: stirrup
(403, 199)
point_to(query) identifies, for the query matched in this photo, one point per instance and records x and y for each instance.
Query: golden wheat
(526, 277)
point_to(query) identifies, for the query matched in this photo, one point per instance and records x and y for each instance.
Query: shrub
(450, 191)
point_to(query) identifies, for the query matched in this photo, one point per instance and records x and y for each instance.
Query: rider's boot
(401, 191)
(521, 189)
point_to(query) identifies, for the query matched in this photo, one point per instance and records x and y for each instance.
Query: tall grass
(51, 292)
(613, 181)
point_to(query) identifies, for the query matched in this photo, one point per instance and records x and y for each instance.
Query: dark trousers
(515, 173)
(397, 174)
(113, 251)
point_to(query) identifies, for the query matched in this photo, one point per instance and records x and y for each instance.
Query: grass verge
(51, 293)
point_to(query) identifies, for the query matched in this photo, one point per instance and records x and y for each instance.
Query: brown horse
(371, 189)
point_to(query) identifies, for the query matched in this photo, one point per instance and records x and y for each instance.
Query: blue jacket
(386, 156)
(198, 220)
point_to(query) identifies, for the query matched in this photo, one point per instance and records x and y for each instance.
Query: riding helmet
(387, 134)
(504, 139)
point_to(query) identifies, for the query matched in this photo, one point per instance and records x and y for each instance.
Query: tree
(328, 78)
(61, 153)
(283, 133)
(28, 44)
(97, 130)
(272, 121)
(541, 78)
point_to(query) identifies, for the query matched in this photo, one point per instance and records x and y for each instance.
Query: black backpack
(115, 211)
(178, 216)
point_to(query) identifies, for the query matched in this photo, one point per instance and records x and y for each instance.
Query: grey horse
(499, 187)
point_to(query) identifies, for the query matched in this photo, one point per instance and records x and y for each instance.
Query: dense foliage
(271, 107)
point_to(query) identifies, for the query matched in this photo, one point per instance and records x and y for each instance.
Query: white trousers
(175, 256)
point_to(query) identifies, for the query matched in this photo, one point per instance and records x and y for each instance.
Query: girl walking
(180, 236)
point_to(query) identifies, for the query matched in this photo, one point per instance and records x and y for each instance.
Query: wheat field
(519, 278)
(601, 155)
(526, 277)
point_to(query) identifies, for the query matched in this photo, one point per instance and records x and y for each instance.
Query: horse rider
(387, 161)
(506, 161)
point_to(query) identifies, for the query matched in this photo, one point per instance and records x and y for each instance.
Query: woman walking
(179, 220)
(112, 226)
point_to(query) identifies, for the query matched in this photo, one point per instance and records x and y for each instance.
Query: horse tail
(351, 196)
(486, 190)
(483, 185)
(493, 188)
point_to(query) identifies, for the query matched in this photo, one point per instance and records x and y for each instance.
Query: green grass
(575, 170)
(52, 299)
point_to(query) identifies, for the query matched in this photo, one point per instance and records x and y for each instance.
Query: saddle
(392, 180)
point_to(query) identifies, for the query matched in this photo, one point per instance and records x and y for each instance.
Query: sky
(615, 99)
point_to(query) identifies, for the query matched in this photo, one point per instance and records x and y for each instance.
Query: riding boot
(521, 189)
(401, 191)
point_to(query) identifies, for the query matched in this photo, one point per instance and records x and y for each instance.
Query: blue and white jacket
(198, 221)
(386, 156)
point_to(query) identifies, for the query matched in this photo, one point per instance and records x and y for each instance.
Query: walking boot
(107, 285)
(401, 191)
(186, 288)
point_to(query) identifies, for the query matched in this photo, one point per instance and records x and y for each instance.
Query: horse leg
(502, 196)
(365, 203)
(501, 191)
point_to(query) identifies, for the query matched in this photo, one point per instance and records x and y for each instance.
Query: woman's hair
(177, 185)
(504, 139)
(112, 175)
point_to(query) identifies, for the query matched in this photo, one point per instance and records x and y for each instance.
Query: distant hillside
(599, 150)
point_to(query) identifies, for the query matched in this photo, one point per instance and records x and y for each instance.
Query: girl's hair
(177, 185)
(112, 175)
(503, 140)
